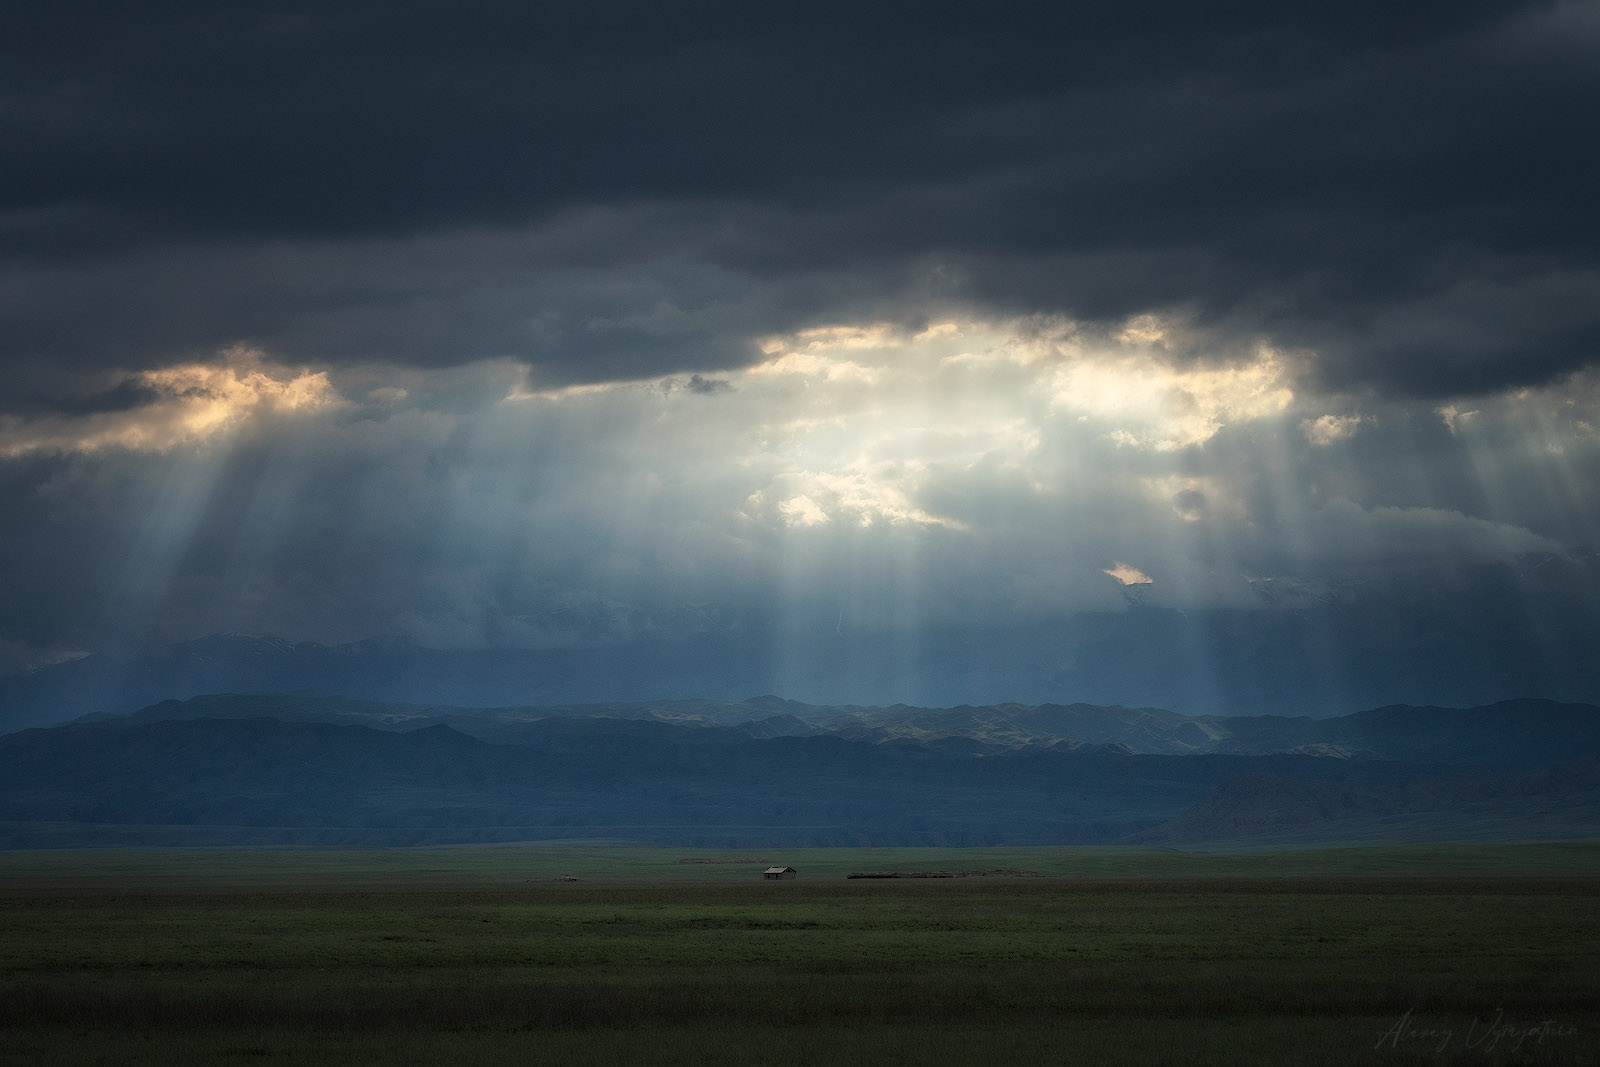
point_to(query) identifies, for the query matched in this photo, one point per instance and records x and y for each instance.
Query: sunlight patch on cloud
(806, 363)
(938, 330)
(855, 498)
(1325, 430)
(1148, 402)
(525, 390)
(850, 425)
(831, 338)
(1128, 575)
(802, 511)
(1144, 329)
(187, 402)
(1454, 418)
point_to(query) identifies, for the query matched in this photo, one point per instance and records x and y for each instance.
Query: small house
(774, 873)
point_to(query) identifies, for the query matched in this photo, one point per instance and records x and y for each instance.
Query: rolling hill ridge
(257, 767)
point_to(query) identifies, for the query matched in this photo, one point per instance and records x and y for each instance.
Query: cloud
(1454, 417)
(1128, 575)
(1398, 196)
(159, 409)
(937, 491)
(1405, 534)
(1159, 406)
(854, 496)
(572, 321)
(799, 510)
(707, 386)
(1325, 430)
(936, 465)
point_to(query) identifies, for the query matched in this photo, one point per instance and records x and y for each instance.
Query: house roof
(778, 870)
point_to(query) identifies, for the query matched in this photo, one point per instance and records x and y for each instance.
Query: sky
(1225, 357)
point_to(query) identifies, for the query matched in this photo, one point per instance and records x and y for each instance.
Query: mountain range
(237, 768)
(1509, 733)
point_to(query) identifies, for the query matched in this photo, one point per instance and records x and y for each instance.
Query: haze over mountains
(1511, 733)
(1116, 658)
(263, 768)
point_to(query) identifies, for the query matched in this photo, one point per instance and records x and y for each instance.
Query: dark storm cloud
(322, 119)
(126, 395)
(707, 386)
(1404, 188)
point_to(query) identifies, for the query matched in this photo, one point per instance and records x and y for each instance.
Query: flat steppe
(603, 953)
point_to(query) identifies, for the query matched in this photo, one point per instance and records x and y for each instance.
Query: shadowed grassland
(624, 862)
(1467, 956)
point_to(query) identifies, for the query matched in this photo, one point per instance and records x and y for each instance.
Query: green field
(1416, 955)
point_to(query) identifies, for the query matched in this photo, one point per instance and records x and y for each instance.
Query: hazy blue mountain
(594, 777)
(1552, 803)
(381, 669)
(264, 767)
(1263, 674)
(1511, 733)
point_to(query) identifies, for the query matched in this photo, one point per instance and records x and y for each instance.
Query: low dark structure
(775, 873)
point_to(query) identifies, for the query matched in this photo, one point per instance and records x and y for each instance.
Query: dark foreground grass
(1183, 968)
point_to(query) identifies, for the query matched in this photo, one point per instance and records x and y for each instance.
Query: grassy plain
(1433, 955)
